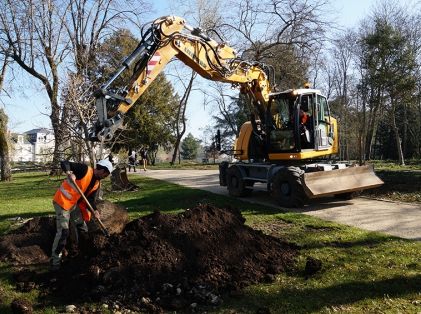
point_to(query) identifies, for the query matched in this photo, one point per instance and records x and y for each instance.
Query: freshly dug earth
(172, 261)
(31, 243)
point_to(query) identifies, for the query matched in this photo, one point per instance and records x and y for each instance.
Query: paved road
(395, 218)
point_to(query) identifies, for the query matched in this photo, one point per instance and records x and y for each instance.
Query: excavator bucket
(323, 183)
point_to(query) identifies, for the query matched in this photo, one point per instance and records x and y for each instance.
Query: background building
(36, 145)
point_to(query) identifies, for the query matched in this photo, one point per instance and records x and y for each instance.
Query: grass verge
(362, 272)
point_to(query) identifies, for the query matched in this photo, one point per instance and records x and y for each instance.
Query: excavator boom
(170, 37)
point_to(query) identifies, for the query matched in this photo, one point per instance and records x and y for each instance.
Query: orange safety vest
(67, 196)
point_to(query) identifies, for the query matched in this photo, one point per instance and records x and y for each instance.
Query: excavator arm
(167, 38)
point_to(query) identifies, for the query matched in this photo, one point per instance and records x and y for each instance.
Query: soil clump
(164, 261)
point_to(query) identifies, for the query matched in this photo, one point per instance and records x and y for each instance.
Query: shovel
(91, 209)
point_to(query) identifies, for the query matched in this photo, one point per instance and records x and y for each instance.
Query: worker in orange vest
(69, 204)
(304, 130)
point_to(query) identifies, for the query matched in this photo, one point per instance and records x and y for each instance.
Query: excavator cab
(301, 122)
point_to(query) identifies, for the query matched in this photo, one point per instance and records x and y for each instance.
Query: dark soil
(169, 262)
(31, 243)
(20, 306)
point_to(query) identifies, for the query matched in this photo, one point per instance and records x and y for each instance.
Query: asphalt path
(394, 218)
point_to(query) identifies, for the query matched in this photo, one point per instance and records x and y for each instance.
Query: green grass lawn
(363, 272)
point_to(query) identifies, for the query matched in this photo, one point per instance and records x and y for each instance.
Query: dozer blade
(323, 183)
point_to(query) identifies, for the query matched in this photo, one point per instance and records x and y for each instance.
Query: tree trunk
(4, 148)
(405, 130)
(372, 125)
(6, 173)
(181, 114)
(361, 133)
(58, 138)
(397, 137)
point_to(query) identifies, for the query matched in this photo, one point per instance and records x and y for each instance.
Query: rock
(214, 299)
(178, 291)
(167, 287)
(21, 306)
(313, 265)
(70, 308)
(144, 300)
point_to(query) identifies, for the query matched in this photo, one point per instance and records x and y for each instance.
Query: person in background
(144, 156)
(132, 160)
(69, 204)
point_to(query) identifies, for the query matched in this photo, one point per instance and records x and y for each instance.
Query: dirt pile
(113, 216)
(31, 243)
(172, 261)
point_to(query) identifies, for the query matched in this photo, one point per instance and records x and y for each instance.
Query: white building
(36, 145)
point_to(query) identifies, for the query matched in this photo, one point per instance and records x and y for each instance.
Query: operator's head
(103, 168)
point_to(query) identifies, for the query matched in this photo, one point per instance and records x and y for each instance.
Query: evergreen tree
(150, 121)
(389, 84)
(190, 147)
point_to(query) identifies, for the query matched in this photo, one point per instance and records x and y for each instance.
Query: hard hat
(105, 163)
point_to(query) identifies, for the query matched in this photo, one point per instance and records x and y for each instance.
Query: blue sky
(28, 106)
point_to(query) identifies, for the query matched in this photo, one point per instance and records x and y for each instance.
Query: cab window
(323, 108)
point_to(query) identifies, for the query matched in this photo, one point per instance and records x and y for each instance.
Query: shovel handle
(91, 209)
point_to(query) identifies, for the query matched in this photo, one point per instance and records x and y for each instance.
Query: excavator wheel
(287, 188)
(237, 186)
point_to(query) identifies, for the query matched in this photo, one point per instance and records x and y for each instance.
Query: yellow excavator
(288, 142)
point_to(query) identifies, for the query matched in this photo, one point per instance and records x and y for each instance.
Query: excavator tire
(287, 188)
(237, 186)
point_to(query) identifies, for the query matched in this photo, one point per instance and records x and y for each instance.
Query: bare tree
(260, 26)
(44, 36)
(342, 62)
(180, 124)
(205, 14)
(33, 32)
(87, 24)
(227, 106)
